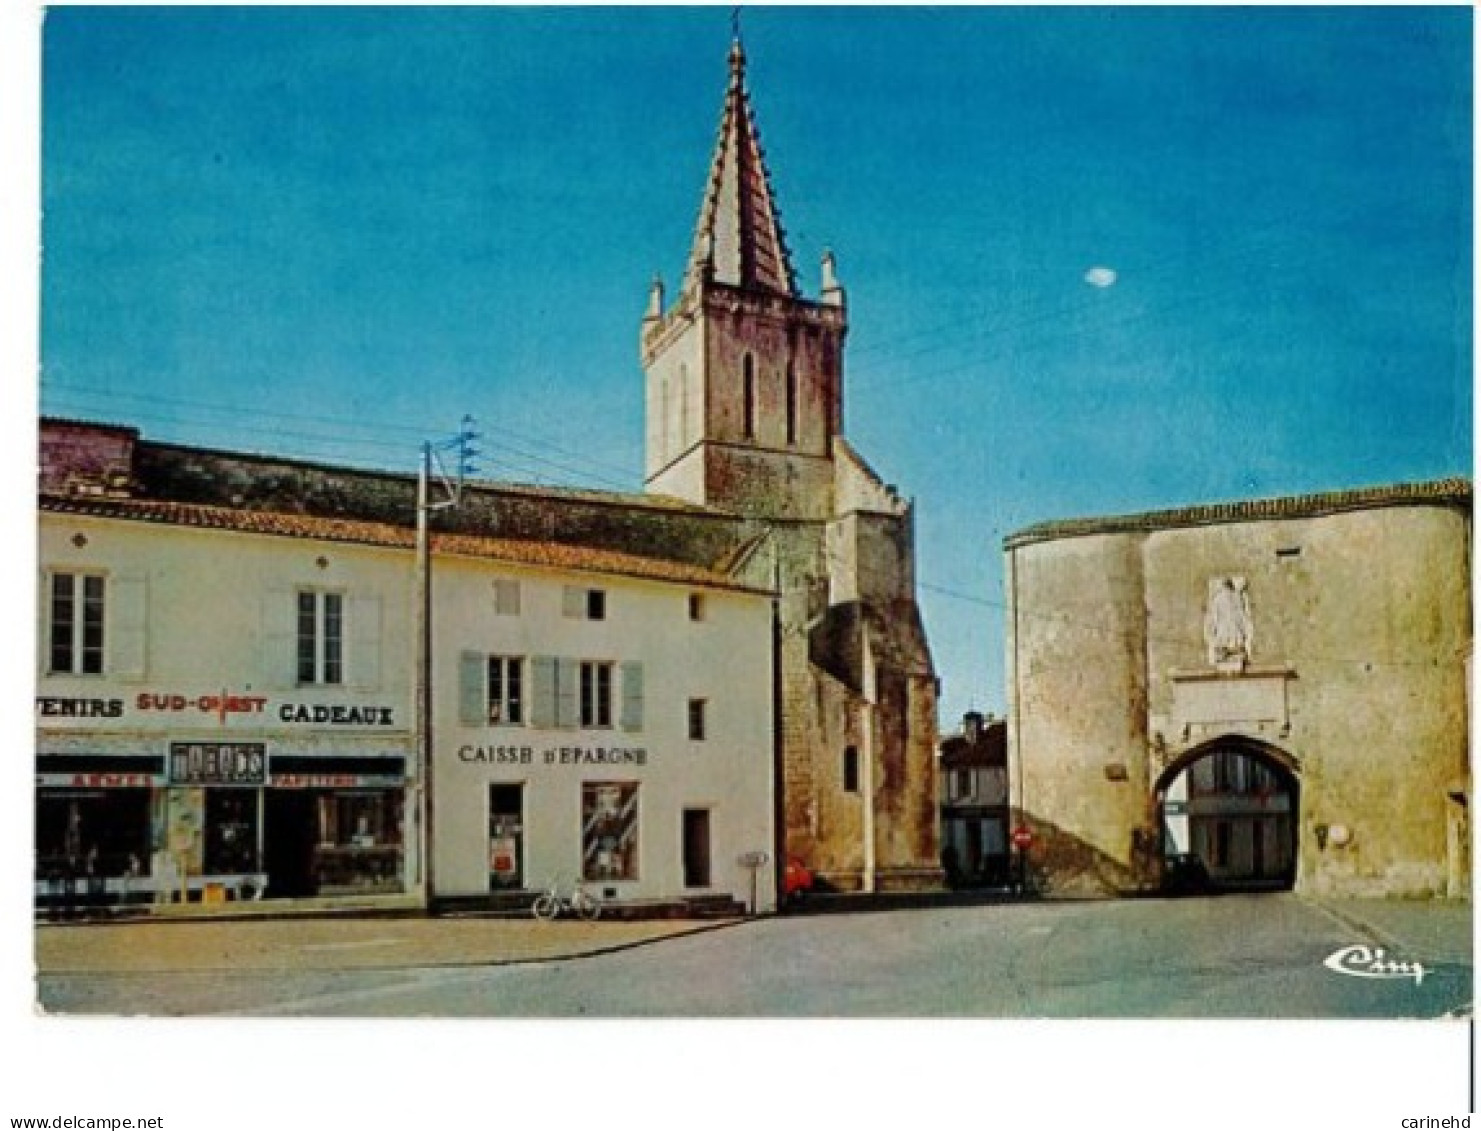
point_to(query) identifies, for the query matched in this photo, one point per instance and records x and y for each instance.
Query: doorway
(696, 848)
(506, 837)
(290, 835)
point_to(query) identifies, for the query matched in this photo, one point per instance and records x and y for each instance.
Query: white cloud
(1101, 277)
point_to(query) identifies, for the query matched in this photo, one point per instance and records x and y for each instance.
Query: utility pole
(429, 462)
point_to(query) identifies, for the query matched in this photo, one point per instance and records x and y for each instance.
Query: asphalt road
(1258, 957)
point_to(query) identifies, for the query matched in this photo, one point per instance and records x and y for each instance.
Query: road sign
(1023, 838)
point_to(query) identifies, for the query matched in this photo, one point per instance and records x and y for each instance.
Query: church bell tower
(744, 375)
(744, 385)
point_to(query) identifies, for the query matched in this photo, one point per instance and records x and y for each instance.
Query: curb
(402, 967)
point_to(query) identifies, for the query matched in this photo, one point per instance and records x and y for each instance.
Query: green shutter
(472, 689)
(632, 696)
(542, 692)
(567, 709)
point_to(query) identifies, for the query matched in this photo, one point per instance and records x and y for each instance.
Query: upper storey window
(76, 623)
(321, 636)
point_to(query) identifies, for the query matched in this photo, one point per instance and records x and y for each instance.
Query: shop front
(336, 826)
(96, 816)
(217, 822)
(633, 828)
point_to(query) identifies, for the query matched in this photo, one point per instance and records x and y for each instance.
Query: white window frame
(76, 645)
(502, 708)
(323, 664)
(595, 687)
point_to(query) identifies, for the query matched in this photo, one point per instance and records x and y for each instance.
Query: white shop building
(225, 709)
(612, 723)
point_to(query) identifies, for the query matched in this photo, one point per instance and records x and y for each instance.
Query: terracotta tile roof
(1454, 492)
(552, 555)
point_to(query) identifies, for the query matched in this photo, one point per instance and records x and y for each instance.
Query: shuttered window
(632, 697)
(596, 694)
(506, 598)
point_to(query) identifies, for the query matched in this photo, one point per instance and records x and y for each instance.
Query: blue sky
(330, 233)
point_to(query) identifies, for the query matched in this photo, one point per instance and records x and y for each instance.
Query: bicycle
(581, 903)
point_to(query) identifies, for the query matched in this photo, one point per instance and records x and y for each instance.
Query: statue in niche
(1228, 629)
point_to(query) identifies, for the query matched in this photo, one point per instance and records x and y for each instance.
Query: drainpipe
(870, 701)
(1016, 692)
(778, 747)
(423, 691)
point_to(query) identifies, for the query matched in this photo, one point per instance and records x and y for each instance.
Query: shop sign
(555, 755)
(497, 755)
(64, 708)
(99, 781)
(333, 781)
(337, 714)
(220, 705)
(218, 763)
(596, 756)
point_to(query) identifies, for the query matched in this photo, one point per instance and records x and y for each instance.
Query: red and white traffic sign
(1023, 837)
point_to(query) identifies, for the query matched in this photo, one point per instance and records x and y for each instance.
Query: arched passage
(1230, 811)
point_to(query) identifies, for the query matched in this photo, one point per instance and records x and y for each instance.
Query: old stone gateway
(1268, 694)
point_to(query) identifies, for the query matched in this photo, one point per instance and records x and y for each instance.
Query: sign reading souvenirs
(79, 708)
(556, 755)
(218, 763)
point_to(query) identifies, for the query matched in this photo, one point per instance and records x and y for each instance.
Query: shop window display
(609, 840)
(359, 842)
(89, 842)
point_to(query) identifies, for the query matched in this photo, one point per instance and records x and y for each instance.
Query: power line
(372, 436)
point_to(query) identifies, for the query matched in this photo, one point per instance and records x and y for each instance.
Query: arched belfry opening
(1230, 813)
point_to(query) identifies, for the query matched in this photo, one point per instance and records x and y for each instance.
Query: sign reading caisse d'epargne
(218, 763)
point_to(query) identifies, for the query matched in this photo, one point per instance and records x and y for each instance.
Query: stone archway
(1229, 813)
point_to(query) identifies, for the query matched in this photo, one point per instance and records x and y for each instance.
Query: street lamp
(452, 486)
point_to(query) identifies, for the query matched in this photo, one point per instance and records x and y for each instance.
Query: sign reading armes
(218, 763)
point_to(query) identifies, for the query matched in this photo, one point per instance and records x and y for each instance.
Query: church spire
(739, 239)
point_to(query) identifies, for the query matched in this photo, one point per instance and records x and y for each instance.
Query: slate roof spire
(739, 239)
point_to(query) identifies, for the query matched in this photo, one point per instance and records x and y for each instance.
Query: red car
(797, 879)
